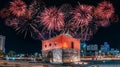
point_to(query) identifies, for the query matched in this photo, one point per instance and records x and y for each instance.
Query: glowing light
(65, 45)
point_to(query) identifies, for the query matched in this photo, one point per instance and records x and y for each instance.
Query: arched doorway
(50, 56)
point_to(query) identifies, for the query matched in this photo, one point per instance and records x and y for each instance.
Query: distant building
(92, 49)
(2, 43)
(83, 48)
(114, 51)
(105, 48)
(61, 49)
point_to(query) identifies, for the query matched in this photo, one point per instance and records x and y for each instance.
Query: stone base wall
(61, 55)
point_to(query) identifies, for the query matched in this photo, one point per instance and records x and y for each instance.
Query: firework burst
(52, 18)
(103, 23)
(18, 8)
(26, 27)
(4, 13)
(104, 10)
(114, 18)
(35, 9)
(82, 15)
(12, 22)
(43, 23)
(66, 8)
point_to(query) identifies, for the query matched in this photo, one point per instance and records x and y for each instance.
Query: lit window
(65, 45)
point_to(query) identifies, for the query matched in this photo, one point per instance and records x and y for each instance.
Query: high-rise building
(105, 48)
(2, 43)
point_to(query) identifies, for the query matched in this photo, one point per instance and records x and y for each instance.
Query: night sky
(20, 44)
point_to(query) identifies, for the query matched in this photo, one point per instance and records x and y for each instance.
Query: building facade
(92, 50)
(61, 49)
(83, 49)
(2, 43)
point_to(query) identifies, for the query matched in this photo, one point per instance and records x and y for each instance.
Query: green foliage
(11, 53)
(1, 53)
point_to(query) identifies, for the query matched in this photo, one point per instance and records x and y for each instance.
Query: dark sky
(17, 43)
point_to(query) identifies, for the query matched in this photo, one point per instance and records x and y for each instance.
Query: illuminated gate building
(61, 49)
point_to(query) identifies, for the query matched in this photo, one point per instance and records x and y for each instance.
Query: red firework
(12, 22)
(28, 14)
(18, 8)
(114, 18)
(103, 23)
(104, 10)
(4, 13)
(82, 15)
(52, 18)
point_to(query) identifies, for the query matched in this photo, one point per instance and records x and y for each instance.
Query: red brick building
(62, 48)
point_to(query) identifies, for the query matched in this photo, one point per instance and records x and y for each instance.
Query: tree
(36, 55)
(1, 53)
(11, 53)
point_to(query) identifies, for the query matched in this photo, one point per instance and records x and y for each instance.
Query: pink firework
(12, 22)
(18, 8)
(66, 8)
(28, 14)
(4, 13)
(82, 15)
(52, 18)
(104, 10)
(114, 18)
(103, 23)
(35, 9)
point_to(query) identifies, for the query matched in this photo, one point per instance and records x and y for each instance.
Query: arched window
(45, 46)
(50, 44)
